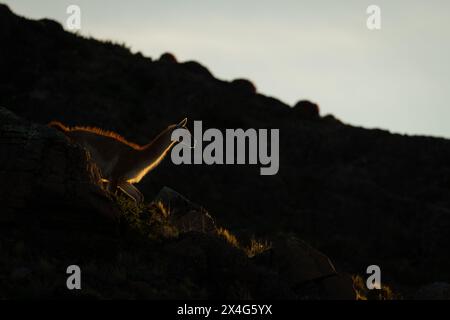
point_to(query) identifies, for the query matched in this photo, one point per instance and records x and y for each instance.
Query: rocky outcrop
(307, 109)
(184, 214)
(310, 273)
(243, 86)
(49, 197)
(39, 168)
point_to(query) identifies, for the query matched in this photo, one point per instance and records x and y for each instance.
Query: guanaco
(121, 163)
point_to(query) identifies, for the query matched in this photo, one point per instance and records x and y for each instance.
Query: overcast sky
(396, 78)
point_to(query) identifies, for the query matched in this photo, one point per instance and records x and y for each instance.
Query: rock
(225, 270)
(244, 86)
(52, 25)
(196, 68)
(168, 57)
(184, 214)
(50, 189)
(309, 271)
(50, 170)
(297, 261)
(5, 10)
(331, 120)
(434, 291)
(307, 109)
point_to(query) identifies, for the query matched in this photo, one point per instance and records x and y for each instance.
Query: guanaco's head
(180, 137)
(182, 123)
(179, 125)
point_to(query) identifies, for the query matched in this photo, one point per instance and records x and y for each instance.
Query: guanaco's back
(121, 162)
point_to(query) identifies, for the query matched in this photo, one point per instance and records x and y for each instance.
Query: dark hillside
(361, 196)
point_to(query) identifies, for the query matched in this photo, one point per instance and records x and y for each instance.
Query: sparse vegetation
(254, 248)
(332, 172)
(363, 293)
(228, 236)
(150, 220)
(257, 247)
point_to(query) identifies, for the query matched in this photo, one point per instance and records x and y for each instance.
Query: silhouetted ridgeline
(360, 196)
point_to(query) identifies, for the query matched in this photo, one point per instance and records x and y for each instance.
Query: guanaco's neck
(159, 145)
(153, 153)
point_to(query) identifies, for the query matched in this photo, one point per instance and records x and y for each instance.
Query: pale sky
(396, 78)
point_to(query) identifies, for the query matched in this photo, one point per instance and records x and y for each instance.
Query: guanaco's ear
(182, 123)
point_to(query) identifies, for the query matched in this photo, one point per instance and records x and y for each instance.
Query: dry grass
(257, 247)
(228, 236)
(363, 293)
(150, 220)
(253, 249)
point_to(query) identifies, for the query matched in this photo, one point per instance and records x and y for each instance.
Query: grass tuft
(363, 293)
(254, 248)
(150, 220)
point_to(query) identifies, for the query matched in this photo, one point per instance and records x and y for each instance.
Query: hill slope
(361, 196)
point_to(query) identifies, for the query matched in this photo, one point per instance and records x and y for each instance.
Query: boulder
(196, 68)
(184, 214)
(244, 86)
(307, 109)
(50, 191)
(309, 272)
(168, 57)
(49, 170)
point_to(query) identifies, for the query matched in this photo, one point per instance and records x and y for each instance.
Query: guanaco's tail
(58, 125)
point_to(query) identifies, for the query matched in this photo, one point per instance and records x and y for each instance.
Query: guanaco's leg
(131, 191)
(112, 186)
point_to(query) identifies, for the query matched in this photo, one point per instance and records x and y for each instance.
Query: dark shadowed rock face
(42, 169)
(310, 273)
(361, 196)
(50, 190)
